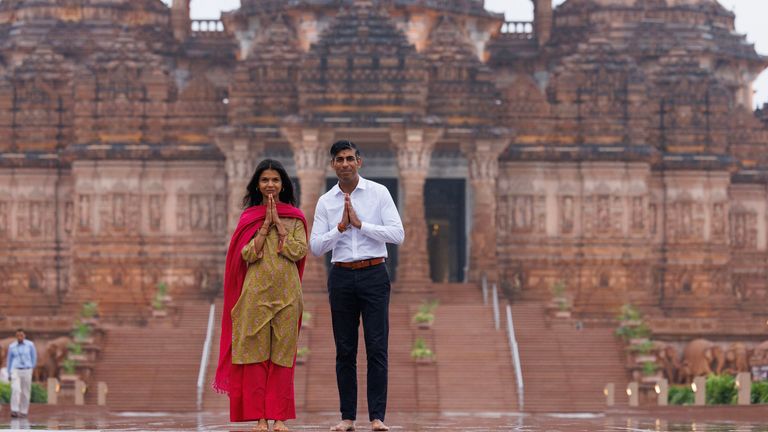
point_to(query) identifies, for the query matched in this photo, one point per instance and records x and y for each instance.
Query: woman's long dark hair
(254, 196)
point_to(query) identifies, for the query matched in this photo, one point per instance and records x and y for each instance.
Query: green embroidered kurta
(265, 320)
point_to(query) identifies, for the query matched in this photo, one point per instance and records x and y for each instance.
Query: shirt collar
(361, 184)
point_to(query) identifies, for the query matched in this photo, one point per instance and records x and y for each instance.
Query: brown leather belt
(357, 265)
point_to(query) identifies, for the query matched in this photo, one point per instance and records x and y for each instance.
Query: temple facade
(608, 144)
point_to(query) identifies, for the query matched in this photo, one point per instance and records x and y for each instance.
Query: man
(355, 219)
(22, 358)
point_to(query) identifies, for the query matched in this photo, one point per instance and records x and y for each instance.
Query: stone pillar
(483, 157)
(542, 20)
(310, 148)
(243, 150)
(180, 20)
(414, 151)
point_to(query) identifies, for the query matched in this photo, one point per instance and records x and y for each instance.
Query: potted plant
(560, 303)
(160, 300)
(306, 319)
(302, 355)
(82, 333)
(68, 368)
(75, 352)
(643, 352)
(425, 316)
(89, 313)
(649, 370)
(421, 353)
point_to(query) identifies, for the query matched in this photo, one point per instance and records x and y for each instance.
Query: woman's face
(270, 183)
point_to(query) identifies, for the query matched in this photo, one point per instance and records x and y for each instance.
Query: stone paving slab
(89, 419)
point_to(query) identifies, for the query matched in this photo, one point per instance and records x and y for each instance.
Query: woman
(263, 302)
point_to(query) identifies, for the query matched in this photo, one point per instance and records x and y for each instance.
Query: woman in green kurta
(265, 320)
(263, 302)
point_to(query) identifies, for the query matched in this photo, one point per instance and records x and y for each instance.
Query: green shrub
(5, 392)
(760, 392)
(643, 348)
(420, 349)
(649, 368)
(680, 395)
(89, 310)
(39, 395)
(721, 390)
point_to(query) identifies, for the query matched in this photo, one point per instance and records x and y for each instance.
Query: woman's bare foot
(378, 425)
(344, 426)
(279, 426)
(262, 426)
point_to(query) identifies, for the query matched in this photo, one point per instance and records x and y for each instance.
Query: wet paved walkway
(66, 418)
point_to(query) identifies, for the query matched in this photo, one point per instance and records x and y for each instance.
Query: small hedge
(721, 390)
(680, 395)
(39, 394)
(760, 392)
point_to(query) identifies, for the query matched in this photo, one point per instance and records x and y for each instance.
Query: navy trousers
(354, 294)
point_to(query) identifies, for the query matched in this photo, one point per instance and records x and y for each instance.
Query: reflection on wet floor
(71, 421)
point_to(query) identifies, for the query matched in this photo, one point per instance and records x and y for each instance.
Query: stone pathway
(65, 418)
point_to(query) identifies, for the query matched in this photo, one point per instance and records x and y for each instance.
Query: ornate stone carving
(744, 229)
(567, 214)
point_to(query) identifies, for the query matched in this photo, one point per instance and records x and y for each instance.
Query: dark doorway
(391, 185)
(445, 205)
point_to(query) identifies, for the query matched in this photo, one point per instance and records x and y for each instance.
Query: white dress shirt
(380, 223)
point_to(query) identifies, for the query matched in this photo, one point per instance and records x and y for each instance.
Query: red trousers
(261, 391)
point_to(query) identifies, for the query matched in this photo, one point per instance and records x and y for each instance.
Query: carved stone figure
(668, 358)
(759, 355)
(736, 358)
(699, 357)
(50, 356)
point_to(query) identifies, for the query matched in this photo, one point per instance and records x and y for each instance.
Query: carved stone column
(310, 148)
(414, 151)
(243, 150)
(483, 157)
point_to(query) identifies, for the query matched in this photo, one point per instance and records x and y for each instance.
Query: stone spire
(180, 20)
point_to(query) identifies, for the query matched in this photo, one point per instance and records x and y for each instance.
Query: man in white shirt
(22, 358)
(356, 219)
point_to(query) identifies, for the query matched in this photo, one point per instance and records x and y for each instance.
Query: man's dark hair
(344, 145)
(19, 330)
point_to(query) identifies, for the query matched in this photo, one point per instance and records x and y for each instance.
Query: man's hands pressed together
(349, 217)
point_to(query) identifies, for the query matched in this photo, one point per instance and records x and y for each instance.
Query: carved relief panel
(35, 219)
(744, 229)
(203, 213)
(567, 214)
(5, 219)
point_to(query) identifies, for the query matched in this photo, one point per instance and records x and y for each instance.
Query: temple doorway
(445, 207)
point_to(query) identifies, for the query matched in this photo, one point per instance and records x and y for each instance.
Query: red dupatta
(234, 275)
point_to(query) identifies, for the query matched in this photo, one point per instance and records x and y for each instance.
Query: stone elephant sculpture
(759, 355)
(737, 358)
(668, 358)
(49, 358)
(699, 357)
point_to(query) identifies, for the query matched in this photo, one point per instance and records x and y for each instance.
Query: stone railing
(208, 28)
(517, 30)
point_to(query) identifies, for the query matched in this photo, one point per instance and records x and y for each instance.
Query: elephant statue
(668, 358)
(50, 357)
(760, 355)
(699, 357)
(737, 358)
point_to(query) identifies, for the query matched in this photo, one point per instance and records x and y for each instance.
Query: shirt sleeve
(391, 230)
(324, 236)
(249, 253)
(295, 247)
(11, 355)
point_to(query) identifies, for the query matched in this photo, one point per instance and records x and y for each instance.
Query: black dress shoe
(14, 414)
(22, 415)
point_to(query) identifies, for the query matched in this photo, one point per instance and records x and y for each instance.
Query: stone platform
(725, 419)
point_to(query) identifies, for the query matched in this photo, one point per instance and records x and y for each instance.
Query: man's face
(20, 336)
(346, 164)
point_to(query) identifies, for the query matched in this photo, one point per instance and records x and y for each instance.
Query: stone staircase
(154, 368)
(565, 369)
